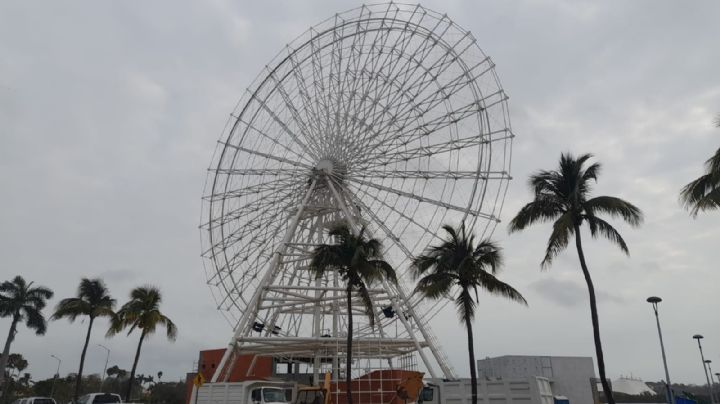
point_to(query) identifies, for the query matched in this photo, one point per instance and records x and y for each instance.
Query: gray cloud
(569, 294)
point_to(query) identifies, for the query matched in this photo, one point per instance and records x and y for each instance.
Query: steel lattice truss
(386, 116)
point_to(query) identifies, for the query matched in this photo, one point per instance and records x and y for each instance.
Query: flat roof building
(569, 376)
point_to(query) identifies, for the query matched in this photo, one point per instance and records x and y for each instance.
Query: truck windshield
(274, 396)
(106, 399)
(310, 397)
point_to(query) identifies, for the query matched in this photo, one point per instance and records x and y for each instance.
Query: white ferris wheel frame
(305, 169)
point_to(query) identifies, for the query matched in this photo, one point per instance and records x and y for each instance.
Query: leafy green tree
(93, 300)
(704, 192)
(563, 195)
(142, 312)
(17, 363)
(24, 303)
(358, 260)
(168, 393)
(459, 264)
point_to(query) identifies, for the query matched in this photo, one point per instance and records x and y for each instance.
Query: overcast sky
(110, 112)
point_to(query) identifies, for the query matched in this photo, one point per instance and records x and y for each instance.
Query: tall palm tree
(359, 262)
(563, 195)
(24, 303)
(141, 312)
(704, 192)
(457, 263)
(93, 300)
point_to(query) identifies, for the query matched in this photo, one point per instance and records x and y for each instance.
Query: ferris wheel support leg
(399, 292)
(251, 311)
(396, 306)
(316, 332)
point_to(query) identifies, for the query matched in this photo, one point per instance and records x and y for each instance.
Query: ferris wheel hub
(326, 166)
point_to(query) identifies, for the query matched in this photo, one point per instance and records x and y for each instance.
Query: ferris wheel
(388, 117)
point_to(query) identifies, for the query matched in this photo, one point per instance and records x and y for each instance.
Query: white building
(631, 385)
(569, 376)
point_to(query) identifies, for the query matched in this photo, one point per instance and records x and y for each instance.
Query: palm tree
(141, 312)
(458, 263)
(24, 303)
(563, 195)
(704, 192)
(359, 262)
(93, 300)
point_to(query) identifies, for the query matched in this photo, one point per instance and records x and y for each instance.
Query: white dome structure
(632, 386)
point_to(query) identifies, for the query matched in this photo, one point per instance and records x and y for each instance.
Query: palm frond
(614, 207)
(71, 308)
(170, 327)
(35, 320)
(436, 285)
(701, 194)
(563, 228)
(592, 172)
(599, 227)
(496, 287)
(488, 254)
(542, 209)
(367, 303)
(465, 305)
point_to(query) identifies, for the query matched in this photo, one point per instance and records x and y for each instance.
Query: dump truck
(246, 392)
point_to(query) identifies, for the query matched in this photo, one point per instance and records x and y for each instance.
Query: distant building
(569, 376)
(632, 386)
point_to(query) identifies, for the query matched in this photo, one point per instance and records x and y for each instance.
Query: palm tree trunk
(594, 314)
(78, 382)
(471, 354)
(6, 350)
(134, 367)
(348, 363)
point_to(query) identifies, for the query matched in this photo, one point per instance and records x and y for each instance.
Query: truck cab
(268, 395)
(315, 395)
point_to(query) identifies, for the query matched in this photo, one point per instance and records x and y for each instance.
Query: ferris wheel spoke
(275, 172)
(272, 139)
(388, 232)
(394, 209)
(286, 129)
(429, 75)
(449, 89)
(308, 103)
(256, 206)
(320, 92)
(263, 187)
(428, 127)
(418, 83)
(423, 199)
(431, 127)
(430, 175)
(371, 84)
(266, 155)
(297, 118)
(357, 57)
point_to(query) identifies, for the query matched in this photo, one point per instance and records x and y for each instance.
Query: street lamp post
(698, 337)
(712, 380)
(57, 373)
(107, 357)
(654, 300)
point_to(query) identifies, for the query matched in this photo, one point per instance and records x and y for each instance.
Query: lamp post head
(708, 361)
(654, 299)
(697, 337)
